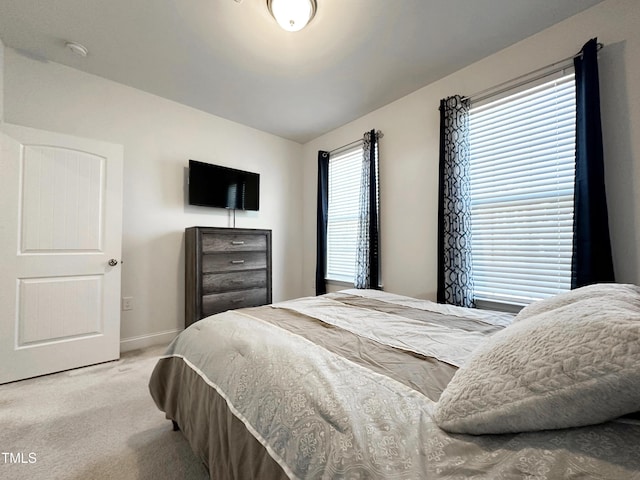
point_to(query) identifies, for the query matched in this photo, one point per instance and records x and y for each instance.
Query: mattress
(344, 386)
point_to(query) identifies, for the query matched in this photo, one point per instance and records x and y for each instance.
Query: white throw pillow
(599, 290)
(573, 360)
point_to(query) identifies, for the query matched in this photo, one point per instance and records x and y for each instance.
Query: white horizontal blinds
(345, 169)
(522, 159)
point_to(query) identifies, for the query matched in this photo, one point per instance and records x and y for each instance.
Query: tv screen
(223, 187)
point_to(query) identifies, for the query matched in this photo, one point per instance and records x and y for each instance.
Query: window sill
(339, 283)
(497, 306)
(335, 285)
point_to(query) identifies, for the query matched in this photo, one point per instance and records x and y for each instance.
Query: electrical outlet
(127, 303)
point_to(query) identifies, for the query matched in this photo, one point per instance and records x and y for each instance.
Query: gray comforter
(343, 386)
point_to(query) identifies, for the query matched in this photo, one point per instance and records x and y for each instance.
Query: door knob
(113, 262)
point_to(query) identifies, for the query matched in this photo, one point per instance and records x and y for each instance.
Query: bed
(366, 384)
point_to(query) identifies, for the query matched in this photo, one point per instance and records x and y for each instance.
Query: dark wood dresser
(226, 268)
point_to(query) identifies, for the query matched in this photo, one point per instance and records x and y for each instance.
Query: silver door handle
(113, 262)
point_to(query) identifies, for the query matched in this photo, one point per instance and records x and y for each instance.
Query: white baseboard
(143, 341)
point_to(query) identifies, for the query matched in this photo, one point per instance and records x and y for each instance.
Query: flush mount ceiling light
(77, 48)
(292, 15)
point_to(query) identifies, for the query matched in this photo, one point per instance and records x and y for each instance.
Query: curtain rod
(379, 135)
(509, 84)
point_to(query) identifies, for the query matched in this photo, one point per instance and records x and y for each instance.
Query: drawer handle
(237, 242)
(237, 262)
(236, 300)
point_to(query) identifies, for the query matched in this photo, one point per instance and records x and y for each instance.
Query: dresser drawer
(217, 242)
(224, 282)
(233, 261)
(220, 302)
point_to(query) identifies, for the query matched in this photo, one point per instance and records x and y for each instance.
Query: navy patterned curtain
(455, 279)
(592, 260)
(368, 255)
(321, 225)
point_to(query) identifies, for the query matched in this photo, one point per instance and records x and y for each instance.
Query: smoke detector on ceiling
(77, 49)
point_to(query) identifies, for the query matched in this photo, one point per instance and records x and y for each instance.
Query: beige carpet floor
(96, 422)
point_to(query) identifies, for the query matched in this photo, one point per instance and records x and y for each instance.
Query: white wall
(1, 81)
(159, 137)
(410, 147)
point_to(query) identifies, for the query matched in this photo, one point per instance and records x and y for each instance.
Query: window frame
(493, 299)
(353, 154)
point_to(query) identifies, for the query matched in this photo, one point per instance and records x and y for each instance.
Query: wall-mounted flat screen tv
(223, 187)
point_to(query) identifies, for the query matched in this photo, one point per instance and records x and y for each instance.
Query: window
(522, 168)
(345, 170)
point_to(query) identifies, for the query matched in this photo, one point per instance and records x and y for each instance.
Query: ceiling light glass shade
(292, 15)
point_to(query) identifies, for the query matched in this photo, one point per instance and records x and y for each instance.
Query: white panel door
(60, 247)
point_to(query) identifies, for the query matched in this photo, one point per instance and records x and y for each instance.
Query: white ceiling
(230, 58)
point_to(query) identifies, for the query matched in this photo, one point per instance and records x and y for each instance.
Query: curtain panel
(455, 278)
(321, 225)
(591, 260)
(368, 254)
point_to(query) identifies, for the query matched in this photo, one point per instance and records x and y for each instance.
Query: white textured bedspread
(321, 415)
